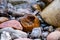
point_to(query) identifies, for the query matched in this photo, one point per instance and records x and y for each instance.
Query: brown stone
(47, 1)
(37, 7)
(3, 19)
(51, 14)
(23, 39)
(29, 22)
(12, 23)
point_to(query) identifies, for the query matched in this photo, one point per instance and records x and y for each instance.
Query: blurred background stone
(3, 19)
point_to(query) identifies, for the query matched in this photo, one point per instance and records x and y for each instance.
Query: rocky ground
(24, 22)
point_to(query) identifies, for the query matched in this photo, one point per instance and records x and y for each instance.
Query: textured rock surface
(29, 22)
(52, 16)
(12, 23)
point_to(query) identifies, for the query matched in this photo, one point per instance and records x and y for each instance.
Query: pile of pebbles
(12, 29)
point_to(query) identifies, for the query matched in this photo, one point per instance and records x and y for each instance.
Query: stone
(51, 29)
(12, 23)
(52, 16)
(18, 33)
(54, 36)
(45, 34)
(37, 7)
(3, 19)
(47, 1)
(36, 32)
(23, 39)
(37, 39)
(29, 22)
(14, 33)
(5, 36)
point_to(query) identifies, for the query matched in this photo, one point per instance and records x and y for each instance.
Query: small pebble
(36, 32)
(45, 34)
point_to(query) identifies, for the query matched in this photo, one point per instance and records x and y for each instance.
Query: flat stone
(12, 23)
(14, 33)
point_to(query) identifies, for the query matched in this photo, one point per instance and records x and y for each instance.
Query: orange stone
(12, 23)
(29, 22)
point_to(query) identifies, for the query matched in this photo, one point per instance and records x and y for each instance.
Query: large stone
(5, 36)
(23, 39)
(3, 19)
(29, 22)
(54, 36)
(51, 14)
(12, 23)
(14, 33)
(18, 33)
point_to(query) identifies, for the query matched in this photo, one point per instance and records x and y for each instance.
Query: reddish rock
(23, 39)
(12, 23)
(54, 36)
(29, 22)
(3, 19)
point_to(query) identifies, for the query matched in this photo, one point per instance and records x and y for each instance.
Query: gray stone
(51, 28)
(19, 33)
(5, 36)
(36, 32)
(14, 33)
(45, 34)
